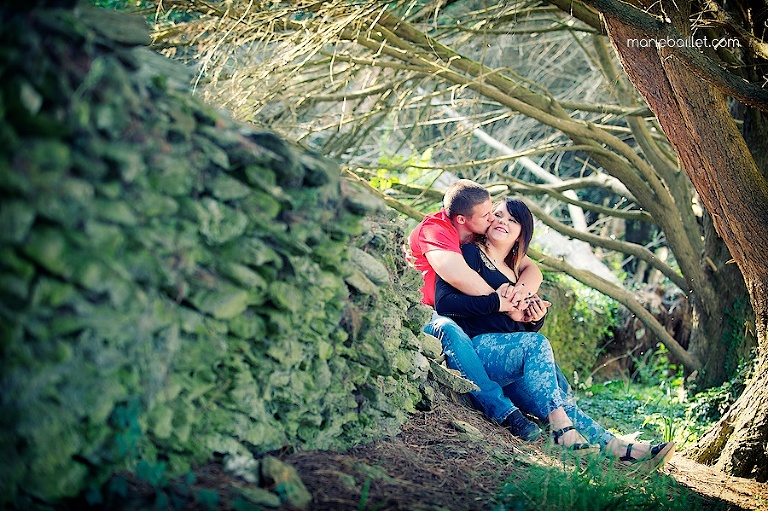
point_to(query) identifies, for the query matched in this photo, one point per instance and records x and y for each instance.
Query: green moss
(174, 282)
(577, 323)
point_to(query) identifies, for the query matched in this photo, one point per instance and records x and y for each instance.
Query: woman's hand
(536, 309)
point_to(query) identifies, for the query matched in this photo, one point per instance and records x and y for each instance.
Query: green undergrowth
(654, 406)
(577, 323)
(658, 404)
(597, 485)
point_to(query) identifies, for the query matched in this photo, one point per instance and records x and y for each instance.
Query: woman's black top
(478, 314)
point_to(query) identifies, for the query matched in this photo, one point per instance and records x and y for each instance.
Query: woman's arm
(529, 281)
(449, 301)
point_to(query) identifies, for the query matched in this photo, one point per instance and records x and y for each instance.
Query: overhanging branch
(625, 298)
(656, 29)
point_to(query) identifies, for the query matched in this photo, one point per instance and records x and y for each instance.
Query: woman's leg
(525, 359)
(523, 363)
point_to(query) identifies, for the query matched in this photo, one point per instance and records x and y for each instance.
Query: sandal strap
(628, 456)
(560, 432)
(656, 449)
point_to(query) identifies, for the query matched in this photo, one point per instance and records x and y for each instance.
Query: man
(435, 249)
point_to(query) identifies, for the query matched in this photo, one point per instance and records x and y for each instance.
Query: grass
(596, 485)
(653, 406)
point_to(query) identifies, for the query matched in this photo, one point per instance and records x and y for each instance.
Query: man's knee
(444, 327)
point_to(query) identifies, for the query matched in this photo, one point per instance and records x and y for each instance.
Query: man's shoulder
(439, 218)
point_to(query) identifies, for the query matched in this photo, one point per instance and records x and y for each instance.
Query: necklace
(502, 266)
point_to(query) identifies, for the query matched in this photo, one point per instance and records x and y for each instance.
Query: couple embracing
(483, 287)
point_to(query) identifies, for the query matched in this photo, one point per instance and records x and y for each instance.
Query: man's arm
(452, 268)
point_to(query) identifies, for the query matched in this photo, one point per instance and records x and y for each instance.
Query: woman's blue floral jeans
(513, 370)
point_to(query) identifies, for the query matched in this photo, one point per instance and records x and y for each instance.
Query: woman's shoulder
(472, 252)
(470, 248)
(474, 256)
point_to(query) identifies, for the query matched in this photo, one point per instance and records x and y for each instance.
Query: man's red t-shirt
(435, 232)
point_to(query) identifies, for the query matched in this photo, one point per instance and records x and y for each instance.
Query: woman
(523, 363)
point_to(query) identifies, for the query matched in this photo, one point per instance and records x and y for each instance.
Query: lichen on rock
(175, 284)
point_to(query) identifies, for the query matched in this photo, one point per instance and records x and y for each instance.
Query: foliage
(175, 284)
(594, 485)
(577, 323)
(508, 94)
(656, 404)
(398, 168)
(655, 407)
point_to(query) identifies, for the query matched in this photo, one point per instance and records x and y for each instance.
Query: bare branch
(526, 188)
(632, 249)
(625, 298)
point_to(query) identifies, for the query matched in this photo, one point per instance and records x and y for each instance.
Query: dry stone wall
(174, 284)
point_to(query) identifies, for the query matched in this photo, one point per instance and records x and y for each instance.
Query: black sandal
(578, 448)
(657, 456)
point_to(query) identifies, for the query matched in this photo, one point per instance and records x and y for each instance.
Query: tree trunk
(737, 444)
(696, 120)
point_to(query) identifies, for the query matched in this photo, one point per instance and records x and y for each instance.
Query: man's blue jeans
(513, 370)
(461, 355)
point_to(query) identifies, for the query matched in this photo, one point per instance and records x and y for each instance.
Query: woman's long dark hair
(522, 214)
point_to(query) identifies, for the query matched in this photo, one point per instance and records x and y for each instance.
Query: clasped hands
(520, 305)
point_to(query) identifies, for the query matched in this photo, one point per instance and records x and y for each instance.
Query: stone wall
(174, 284)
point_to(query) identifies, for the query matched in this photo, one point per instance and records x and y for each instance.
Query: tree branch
(531, 188)
(632, 249)
(625, 298)
(698, 63)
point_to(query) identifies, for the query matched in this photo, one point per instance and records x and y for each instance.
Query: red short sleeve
(435, 232)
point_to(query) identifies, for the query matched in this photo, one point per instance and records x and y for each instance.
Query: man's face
(481, 217)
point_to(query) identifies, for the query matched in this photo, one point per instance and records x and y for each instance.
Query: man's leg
(491, 400)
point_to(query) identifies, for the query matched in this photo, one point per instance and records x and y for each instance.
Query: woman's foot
(646, 455)
(572, 440)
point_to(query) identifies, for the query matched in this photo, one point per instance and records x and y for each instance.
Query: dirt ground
(432, 465)
(435, 465)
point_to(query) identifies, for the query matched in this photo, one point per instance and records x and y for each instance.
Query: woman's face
(504, 227)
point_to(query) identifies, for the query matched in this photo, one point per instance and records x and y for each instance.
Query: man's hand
(518, 295)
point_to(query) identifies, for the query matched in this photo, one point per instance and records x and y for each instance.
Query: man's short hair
(462, 197)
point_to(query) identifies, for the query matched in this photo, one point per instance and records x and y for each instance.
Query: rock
(452, 379)
(285, 481)
(431, 345)
(363, 284)
(360, 201)
(369, 265)
(469, 432)
(128, 29)
(244, 467)
(259, 496)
